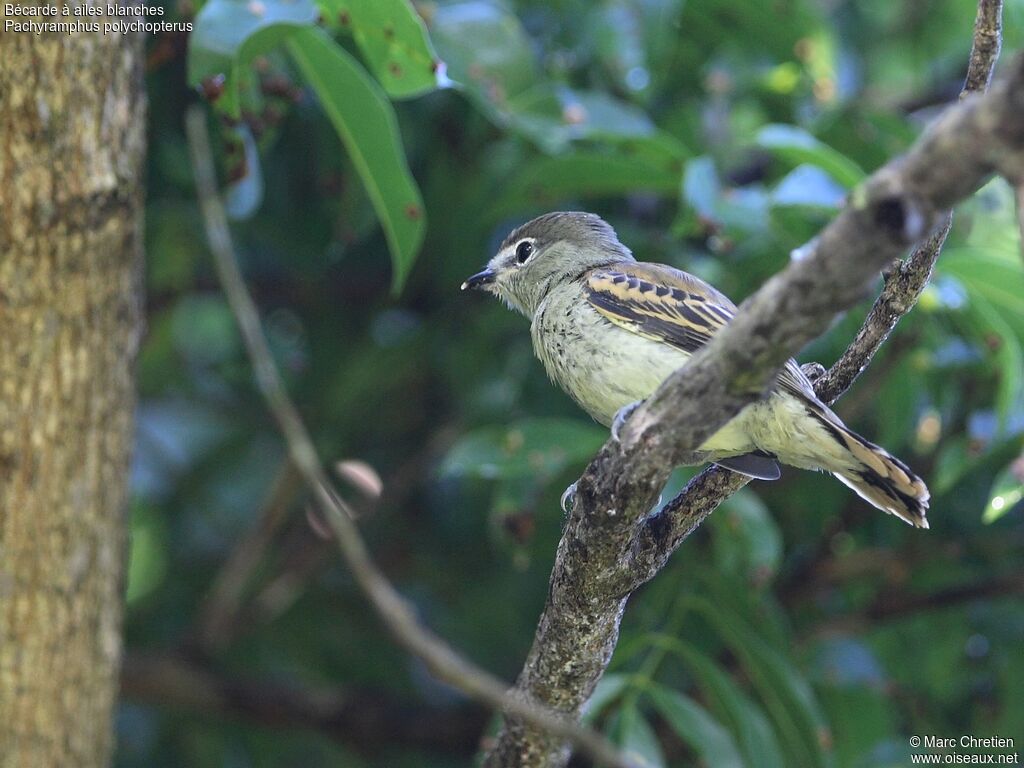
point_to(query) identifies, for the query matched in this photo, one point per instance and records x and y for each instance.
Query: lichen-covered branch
(610, 544)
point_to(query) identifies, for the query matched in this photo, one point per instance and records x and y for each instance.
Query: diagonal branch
(393, 610)
(610, 544)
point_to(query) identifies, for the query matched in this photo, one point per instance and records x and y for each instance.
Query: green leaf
(547, 181)
(992, 275)
(696, 727)
(787, 696)
(797, 146)
(486, 50)
(746, 537)
(393, 38)
(1006, 492)
(532, 447)
(366, 124)
(608, 689)
(634, 736)
(554, 116)
(753, 731)
(227, 34)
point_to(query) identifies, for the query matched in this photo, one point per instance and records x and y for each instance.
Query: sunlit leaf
(366, 124)
(393, 38)
(692, 723)
(798, 146)
(1006, 492)
(531, 447)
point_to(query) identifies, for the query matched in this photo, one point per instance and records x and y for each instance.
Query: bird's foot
(568, 498)
(621, 417)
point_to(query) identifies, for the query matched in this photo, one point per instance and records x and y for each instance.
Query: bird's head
(545, 252)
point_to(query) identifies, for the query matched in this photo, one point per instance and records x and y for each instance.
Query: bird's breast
(601, 366)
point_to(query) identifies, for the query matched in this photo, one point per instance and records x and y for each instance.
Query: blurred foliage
(392, 147)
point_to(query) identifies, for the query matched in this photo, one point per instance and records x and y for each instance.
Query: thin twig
(393, 610)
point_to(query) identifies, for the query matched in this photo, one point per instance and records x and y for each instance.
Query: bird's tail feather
(877, 476)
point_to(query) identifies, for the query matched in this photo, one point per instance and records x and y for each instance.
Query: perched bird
(610, 329)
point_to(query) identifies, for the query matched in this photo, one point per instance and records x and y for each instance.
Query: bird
(609, 330)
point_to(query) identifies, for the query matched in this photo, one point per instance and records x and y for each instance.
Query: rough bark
(610, 544)
(71, 148)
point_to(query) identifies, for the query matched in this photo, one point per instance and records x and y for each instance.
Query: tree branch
(362, 720)
(610, 544)
(396, 614)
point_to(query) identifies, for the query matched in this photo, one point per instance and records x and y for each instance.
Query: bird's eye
(523, 251)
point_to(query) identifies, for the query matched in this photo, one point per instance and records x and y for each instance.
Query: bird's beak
(480, 279)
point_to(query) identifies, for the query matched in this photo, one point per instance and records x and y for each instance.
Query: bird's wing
(672, 307)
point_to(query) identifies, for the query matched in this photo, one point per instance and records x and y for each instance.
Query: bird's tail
(877, 476)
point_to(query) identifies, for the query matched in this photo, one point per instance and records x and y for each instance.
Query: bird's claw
(621, 417)
(568, 498)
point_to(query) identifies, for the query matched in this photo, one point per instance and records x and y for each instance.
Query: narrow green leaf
(787, 696)
(999, 279)
(634, 736)
(692, 723)
(531, 447)
(393, 38)
(798, 146)
(754, 734)
(366, 124)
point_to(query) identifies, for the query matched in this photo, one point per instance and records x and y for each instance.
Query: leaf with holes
(695, 726)
(227, 34)
(394, 41)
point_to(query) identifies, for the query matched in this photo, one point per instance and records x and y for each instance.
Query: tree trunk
(72, 124)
